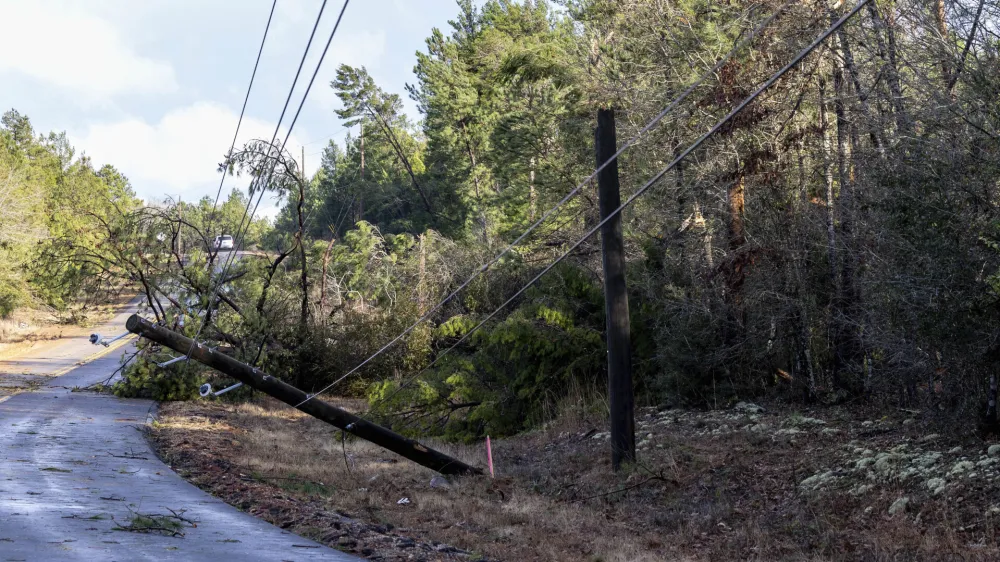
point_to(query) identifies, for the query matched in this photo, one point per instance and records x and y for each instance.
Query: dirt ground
(740, 484)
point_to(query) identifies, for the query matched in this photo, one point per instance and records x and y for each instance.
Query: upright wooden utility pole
(615, 297)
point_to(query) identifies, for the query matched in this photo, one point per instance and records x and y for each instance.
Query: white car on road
(224, 242)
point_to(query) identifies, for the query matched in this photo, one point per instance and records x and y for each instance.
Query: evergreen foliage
(837, 241)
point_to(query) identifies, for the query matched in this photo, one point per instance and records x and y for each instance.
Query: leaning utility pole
(257, 379)
(615, 297)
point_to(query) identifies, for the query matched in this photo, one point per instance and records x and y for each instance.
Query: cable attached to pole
(510, 247)
(719, 125)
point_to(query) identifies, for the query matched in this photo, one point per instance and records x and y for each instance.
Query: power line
(722, 123)
(239, 123)
(256, 182)
(240, 237)
(482, 269)
(312, 211)
(301, 104)
(298, 111)
(327, 137)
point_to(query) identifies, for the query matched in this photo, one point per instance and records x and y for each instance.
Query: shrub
(144, 379)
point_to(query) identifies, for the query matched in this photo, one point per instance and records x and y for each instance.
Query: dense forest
(839, 241)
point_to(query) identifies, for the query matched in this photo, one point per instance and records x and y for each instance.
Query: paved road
(47, 360)
(74, 465)
(224, 256)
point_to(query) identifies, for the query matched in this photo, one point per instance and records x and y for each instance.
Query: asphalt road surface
(75, 469)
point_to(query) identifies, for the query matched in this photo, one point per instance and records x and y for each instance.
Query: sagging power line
(246, 99)
(262, 186)
(638, 193)
(740, 45)
(342, 419)
(306, 402)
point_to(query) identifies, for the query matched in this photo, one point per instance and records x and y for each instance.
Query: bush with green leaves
(144, 379)
(12, 295)
(508, 376)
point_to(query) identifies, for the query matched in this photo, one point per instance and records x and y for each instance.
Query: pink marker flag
(489, 455)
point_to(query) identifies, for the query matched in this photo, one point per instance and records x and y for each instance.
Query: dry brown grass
(695, 496)
(25, 329)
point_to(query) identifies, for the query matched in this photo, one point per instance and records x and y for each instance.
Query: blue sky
(155, 87)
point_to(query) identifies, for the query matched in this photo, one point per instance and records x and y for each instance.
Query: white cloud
(61, 45)
(179, 154)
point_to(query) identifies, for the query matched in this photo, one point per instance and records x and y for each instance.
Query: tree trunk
(699, 223)
(887, 53)
(361, 194)
(422, 277)
(304, 307)
(736, 262)
(844, 303)
(831, 224)
(322, 281)
(737, 191)
(476, 180)
(681, 242)
(532, 196)
(940, 19)
(804, 361)
(965, 49)
(398, 148)
(991, 408)
(874, 129)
